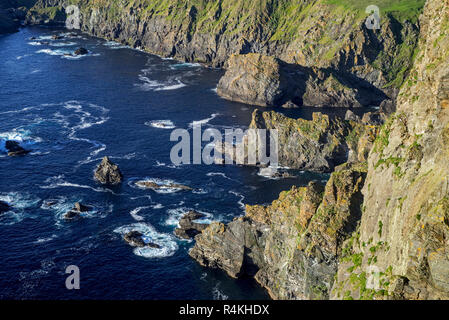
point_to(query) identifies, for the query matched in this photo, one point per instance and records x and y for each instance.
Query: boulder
(81, 52)
(188, 228)
(351, 116)
(76, 211)
(136, 239)
(4, 207)
(14, 149)
(57, 37)
(108, 173)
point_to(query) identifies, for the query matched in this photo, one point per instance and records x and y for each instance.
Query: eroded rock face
(267, 81)
(404, 228)
(108, 173)
(292, 246)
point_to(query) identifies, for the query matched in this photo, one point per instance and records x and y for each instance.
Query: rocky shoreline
(385, 208)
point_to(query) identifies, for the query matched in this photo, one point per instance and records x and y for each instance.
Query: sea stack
(108, 173)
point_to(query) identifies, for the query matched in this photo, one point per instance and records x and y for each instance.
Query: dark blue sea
(70, 112)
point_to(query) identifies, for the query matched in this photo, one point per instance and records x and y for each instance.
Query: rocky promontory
(267, 81)
(290, 247)
(188, 228)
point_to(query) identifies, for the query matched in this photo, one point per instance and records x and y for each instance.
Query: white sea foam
(161, 124)
(165, 185)
(58, 182)
(184, 65)
(20, 204)
(166, 241)
(22, 136)
(115, 45)
(63, 44)
(135, 215)
(218, 294)
(242, 197)
(154, 85)
(66, 54)
(198, 123)
(176, 214)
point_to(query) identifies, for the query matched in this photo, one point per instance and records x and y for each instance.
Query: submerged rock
(136, 239)
(188, 228)
(156, 186)
(76, 211)
(4, 207)
(81, 52)
(108, 173)
(14, 149)
(57, 37)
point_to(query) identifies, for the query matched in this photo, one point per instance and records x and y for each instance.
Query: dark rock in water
(50, 203)
(81, 52)
(188, 229)
(108, 173)
(135, 239)
(14, 149)
(57, 37)
(32, 38)
(156, 186)
(76, 211)
(4, 207)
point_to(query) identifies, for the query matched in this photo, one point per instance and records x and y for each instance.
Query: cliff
(312, 33)
(404, 229)
(380, 229)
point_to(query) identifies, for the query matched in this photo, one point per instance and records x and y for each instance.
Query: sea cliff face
(315, 33)
(405, 224)
(381, 226)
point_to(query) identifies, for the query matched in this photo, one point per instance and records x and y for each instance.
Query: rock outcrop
(292, 246)
(76, 211)
(400, 250)
(108, 173)
(267, 81)
(137, 239)
(188, 228)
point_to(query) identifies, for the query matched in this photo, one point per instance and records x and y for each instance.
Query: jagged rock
(81, 52)
(14, 149)
(292, 246)
(266, 81)
(108, 173)
(188, 228)
(317, 145)
(388, 107)
(155, 186)
(4, 207)
(135, 239)
(76, 211)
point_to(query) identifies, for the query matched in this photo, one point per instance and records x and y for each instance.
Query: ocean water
(123, 103)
